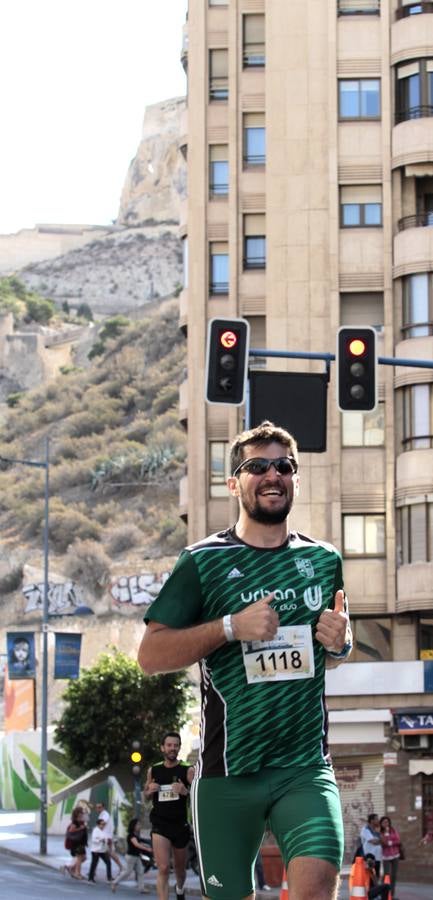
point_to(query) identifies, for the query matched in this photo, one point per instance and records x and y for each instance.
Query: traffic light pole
(330, 357)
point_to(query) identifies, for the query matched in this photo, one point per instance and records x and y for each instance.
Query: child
(99, 848)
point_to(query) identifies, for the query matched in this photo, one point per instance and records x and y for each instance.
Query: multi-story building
(309, 140)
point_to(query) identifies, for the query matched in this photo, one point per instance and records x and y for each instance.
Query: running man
(263, 609)
(167, 785)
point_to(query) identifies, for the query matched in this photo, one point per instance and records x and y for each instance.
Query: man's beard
(266, 516)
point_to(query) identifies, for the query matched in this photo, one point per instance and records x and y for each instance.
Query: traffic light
(356, 369)
(136, 758)
(227, 360)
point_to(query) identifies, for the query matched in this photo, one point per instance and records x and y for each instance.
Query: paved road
(27, 881)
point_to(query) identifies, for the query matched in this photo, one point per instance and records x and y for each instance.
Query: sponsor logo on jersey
(313, 597)
(305, 567)
(235, 573)
(279, 594)
(213, 880)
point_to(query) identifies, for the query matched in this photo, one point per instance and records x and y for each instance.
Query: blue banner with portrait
(67, 655)
(21, 654)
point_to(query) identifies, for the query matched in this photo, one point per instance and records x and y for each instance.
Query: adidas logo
(235, 573)
(214, 881)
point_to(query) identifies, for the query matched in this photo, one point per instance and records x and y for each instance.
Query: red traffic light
(228, 339)
(357, 346)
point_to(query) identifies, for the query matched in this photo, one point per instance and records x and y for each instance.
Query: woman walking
(390, 840)
(76, 843)
(133, 862)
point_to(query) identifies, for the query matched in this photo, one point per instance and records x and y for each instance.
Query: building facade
(309, 143)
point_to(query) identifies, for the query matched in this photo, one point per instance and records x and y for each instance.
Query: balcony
(411, 32)
(373, 679)
(420, 220)
(415, 587)
(413, 246)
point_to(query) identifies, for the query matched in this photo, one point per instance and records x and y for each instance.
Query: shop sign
(390, 759)
(415, 723)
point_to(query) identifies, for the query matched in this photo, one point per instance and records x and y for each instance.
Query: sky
(76, 76)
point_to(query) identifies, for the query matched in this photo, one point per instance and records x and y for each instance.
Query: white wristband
(228, 629)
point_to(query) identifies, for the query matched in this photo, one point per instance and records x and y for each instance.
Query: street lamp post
(44, 712)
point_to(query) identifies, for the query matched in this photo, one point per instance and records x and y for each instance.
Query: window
(218, 170)
(218, 78)
(254, 241)
(425, 638)
(415, 533)
(363, 308)
(219, 468)
(414, 90)
(219, 268)
(364, 429)
(185, 261)
(361, 206)
(359, 99)
(418, 305)
(358, 7)
(417, 416)
(364, 535)
(411, 8)
(371, 640)
(253, 41)
(218, 2)
(254, 139)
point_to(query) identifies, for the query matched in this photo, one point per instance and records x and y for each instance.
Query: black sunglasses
(284, 465)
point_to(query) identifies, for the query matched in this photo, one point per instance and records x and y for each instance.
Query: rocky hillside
(139, 260)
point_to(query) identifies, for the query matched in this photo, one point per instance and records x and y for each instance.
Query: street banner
(19, 703)
(67, 655)
(21, 654)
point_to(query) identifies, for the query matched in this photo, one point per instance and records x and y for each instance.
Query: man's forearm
(170, 649)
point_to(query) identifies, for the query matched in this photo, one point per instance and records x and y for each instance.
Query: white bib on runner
(166, 792)
(288, 655)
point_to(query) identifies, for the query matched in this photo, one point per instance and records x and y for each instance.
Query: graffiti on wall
(64, 599)
(137, 589)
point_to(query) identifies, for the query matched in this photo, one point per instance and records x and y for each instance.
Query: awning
(425, 766)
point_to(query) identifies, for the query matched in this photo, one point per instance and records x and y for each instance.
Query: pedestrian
(371, 840)
(76, 842)
(374, 888)
(263, 609)
(167, 785)
(133, 862)
(103, 813)
(260, 875)
(391, 851)
(99, 849)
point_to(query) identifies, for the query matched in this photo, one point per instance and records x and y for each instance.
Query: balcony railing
(413, 112)
(420, 220)
(218, 190)
(413, 9)
(258, 160)
(219, 287)
(255, 262)
(254, 56)
(218, 88)
(358, 7)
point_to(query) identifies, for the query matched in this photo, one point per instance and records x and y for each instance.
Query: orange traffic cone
(387, 880)
(284, 892)
(358, 888)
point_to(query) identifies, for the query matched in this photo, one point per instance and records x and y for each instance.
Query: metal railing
(219, 88)
(255, 262)
(413, 112)
(255, 160)
(420, 220)
(219, 287)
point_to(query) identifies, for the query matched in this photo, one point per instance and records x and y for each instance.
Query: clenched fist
(259, 622)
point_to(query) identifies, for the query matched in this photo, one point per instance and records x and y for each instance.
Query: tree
(114, 703)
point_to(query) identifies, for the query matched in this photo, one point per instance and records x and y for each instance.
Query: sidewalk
(17, 838)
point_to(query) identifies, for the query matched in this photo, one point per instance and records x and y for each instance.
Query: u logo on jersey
(313, 597)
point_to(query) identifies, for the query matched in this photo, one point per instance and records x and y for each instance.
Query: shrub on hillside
(69, 523)
(123, 538)
(165, 399)
(39, 309)
(10, 581)
(87, 563)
